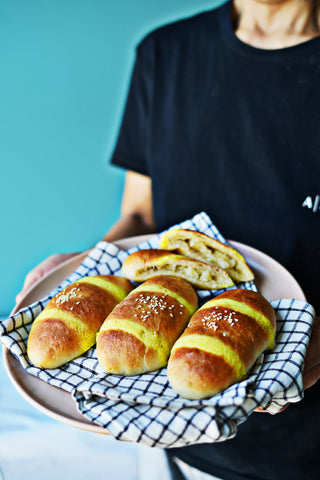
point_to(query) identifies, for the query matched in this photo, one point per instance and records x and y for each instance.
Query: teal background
(64, 72)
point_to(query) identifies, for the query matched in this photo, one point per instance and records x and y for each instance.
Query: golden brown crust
(154, 314)
(230, 339)
(175, 284)
(122, 352)
(144, 257)
(121, 282)
(254, 300)
(59, 341)
(68, 325)
(236, 330)
(154, 311)
(193, 371)
(85, 301)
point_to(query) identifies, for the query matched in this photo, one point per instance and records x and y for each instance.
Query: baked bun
(138, 335)
(221, 343)
(144, 264)
(67, 327)
(201, 247)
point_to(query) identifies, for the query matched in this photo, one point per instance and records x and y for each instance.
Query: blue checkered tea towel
(144, 408)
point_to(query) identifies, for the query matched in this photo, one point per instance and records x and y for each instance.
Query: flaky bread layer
(145, 264)
(200, 246)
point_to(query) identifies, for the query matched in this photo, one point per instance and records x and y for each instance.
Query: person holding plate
(223, 116)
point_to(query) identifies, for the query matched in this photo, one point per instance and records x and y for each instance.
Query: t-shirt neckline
(242, 48)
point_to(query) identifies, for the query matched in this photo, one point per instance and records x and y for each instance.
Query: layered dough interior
(145, 264)
(200, 246)
(193, 248)
(193, 274)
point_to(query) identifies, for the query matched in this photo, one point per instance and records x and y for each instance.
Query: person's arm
(136, 219)
(136, 209)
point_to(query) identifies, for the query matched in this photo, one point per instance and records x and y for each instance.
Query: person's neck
(273, 24)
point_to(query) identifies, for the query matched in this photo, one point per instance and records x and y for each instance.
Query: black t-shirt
(233, 130)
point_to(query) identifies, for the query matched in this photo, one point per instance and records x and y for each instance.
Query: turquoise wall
(64, 72)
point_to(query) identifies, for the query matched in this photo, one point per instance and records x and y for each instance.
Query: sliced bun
(201, 247)
(145, 264)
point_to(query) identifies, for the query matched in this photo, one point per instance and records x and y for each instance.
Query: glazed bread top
(87, 300)
(242, 323)
(156, 305)
(221, 343)
(67, 327)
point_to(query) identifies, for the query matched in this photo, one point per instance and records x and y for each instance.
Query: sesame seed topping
(212, 320)
(65, 297)
(149, 305)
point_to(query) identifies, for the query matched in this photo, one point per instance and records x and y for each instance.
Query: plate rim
(82, 422)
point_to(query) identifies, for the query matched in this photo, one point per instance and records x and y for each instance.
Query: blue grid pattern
(144, 408)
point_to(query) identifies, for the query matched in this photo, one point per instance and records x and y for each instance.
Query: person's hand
(311, 373)
(42, 269)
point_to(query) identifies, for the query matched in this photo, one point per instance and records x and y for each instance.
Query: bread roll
(138, 335)
(201, 247)
(221, 343)
(145, 264)
(67, 327)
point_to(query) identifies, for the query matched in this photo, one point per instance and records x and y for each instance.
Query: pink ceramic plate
(272, 280)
